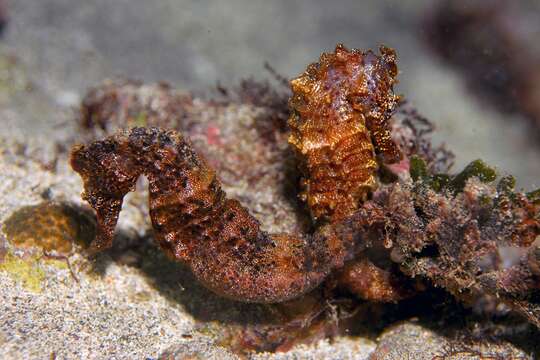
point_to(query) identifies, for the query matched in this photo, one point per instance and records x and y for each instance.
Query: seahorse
(195, 223)
(339, 113)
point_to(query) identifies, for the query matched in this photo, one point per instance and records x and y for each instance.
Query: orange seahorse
(339, 112)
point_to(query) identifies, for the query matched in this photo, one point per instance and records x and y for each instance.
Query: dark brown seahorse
(196, 224)
(339, 113)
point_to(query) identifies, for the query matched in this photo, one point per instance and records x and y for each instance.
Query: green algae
(438, 182)
(49, 226)
(418, 168)
(506, 185)
(534, 196)
(57, 263)
(419, 171)
(28, 272)
(476, 168)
